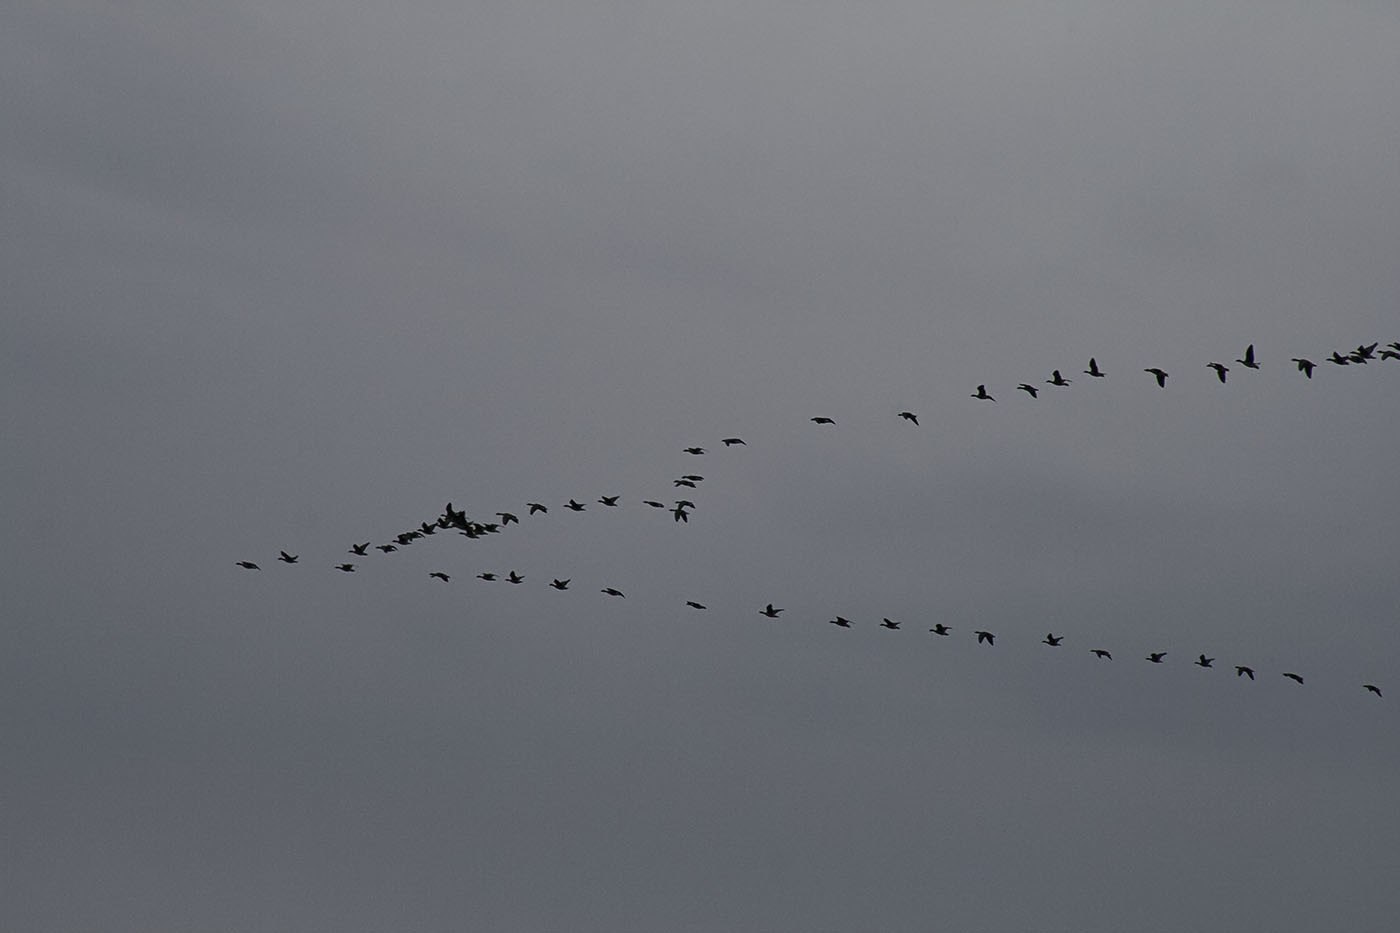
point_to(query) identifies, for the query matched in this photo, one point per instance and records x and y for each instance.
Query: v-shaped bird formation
(456, 520)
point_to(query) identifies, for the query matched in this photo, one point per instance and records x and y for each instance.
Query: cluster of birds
(453, 519)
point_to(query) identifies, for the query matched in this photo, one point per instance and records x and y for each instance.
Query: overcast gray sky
(292, 274)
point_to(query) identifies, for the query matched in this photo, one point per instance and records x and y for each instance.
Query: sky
(295, 274)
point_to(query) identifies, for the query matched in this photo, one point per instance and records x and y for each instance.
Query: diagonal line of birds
(456, 520)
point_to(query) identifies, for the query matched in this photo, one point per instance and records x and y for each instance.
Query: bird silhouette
(488, 576)
(1374, 689)
(1291, 676)
(248, 565)
(1248, 361)
(986, 637)
(1389, 354)
(386, 548)
(1367, 351)
(1029, 389)
(982, 394)
(1093, 369)
(889, 624)
(428, 529)
(1242, 671)
(940, 629)
(612, 592)
(694, 477)
(684, 482)
(820, 420)
(286, 558)
(654, 504)
(1305, 366)
(1338, 359)
(574, 505)
(515, 577)
(697, 451)
(358, 549)
(535, 508)
(769, 611)
(560, 584)
(346, 568)
(609, 500)
(507, 517)
(1156, 657)
(842, 621)
(1057, 380)
(731, 441)
(909, 416)
(1052, 639)
(440, 575)
(679, 514)
(1101, 654)
(1203, 661)
(684, 504)
(694, 605)
(1220, 369)
(1161, 376)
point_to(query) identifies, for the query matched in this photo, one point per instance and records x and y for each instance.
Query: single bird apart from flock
(909, 416)
(694, 605)
(1373, 688)
(731, 441)
(822, 420)
(1052, 639)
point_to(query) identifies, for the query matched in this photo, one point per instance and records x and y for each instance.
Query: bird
(841, 621)
(575, 506)
(248, 565)
(1305, 366)
(488, 576)
(441, 576)
(909, 416)
(358, 549)
(613, 592)
(820, 420)
(1156, 657)
(1057, 380)
(694, 605)
(609, 500)
(731, 441)
(654, 504)
(1248, 361)
(1101, 654)
(1242, 671)
(684, 482)
(1052, 639)
(1220, 369)
(987, 637)
(769, 611)
(286, 558)
(1029, 389)
(386, 548)
(697, 451)
(1161, 376)
(1374, 689)
(428, 529)
(1367, 351)
(889, 624)
(1203, 661)
(1291, 676)
(684, 504)
(1093, 369)
(507, 517)
(982, 394)
(694, 477)
(1388, 354)
(679, 514)
(940, 629)
(535, 508)
(1338, 359)
(560, 584)
(347, 568)
(515, 577)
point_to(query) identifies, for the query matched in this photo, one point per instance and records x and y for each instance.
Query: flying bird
(575, 506)
(694, 477)
(286, 558)
(1052, 639)
(654, 504)
(1203, 661)
(1242, 671)
(694, 605)
(769, 611)
(684, 504)
(560, 584)
(1161, 376)
(1248, 361)
(1367, 351)
(440, 575)
(248, 565)
(697, 451)
(1093, 369)
(1029, 389)
(1156, 657)
(1058, 380)
(535, 507)
(386, 548)
(609, 500)
(612, 592)
(889, 624)
(347, 568)
(987, 637)
(731, 441)
(820, 420)
(358, 549)
(939, 629)
(1101, 654)
(507, 517)
(679, 514)
(684, 482)
(1292, 676)
(1305, 366)
(841, 621)
(1374, 689)
(909, 416)
(982, 394)
(1388, 354)
(1220, 369)
(515, 577)
(487, 576)
(1338, 359)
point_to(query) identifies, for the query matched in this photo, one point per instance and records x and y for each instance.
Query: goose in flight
(515, 577)
(488, 576)
(909, 416)
(386, 548)
(507, 517)
(248, 565)
(769, 611)
(940, 629)
(560, 584)
(1101, 654)
(1338, 359)
(694, 605)
(613, 592)
(1292, 676)
(441, 576)
(1374, 689)
(1203, 661)
(346, 568)
(684, 504)
(820, 420)
(609, 500)
(1156, 657)
(574, 505)
(1242, 671)
(1093, 369)
(286, 558)
(358, 549)
(535, 508)
(1058, 380)
(1220, 369)
(1052, 639)
(1305, 366)
(1248, 361)
(1389, 354)
(982, 394)
(986, 637)
(889, 624)
(426, 529)
(684, 482)
(697, 451)
(842, 621)
(654, 504)
(1029, 389)
(1367, 351)
(679, 514)
(1161, 376)
(694, 477)
(731, 441)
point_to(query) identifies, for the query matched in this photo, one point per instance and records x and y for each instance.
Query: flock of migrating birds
(452, 519)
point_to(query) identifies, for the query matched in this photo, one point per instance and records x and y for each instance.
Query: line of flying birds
(456, 519)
